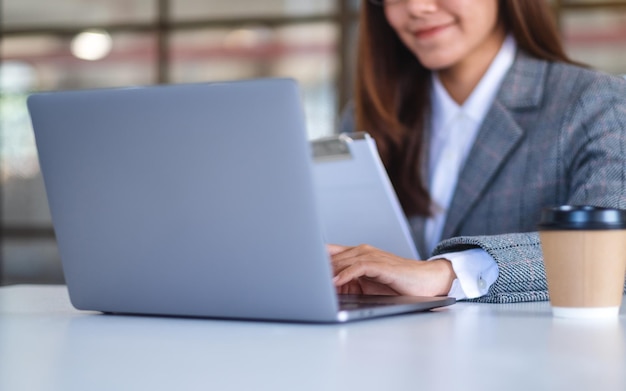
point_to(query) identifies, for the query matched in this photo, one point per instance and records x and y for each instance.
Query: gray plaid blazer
(556, 134)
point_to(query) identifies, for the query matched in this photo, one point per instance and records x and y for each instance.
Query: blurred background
(76, 44)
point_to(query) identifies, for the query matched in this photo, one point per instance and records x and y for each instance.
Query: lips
(430, 31)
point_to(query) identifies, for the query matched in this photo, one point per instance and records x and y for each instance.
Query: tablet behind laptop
(356, 200)
(190, 200)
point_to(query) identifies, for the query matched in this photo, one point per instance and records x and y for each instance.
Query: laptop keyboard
(356, 306)
(352, 302)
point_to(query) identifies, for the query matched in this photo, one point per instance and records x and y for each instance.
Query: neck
(461, 79)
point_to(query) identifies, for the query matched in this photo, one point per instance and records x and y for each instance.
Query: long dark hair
(391, 106)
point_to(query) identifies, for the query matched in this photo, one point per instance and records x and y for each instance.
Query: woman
(481, 120)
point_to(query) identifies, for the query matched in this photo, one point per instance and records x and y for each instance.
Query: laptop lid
(190, 200)
(356, 199)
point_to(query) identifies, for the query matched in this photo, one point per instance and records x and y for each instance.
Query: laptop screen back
(185, 200)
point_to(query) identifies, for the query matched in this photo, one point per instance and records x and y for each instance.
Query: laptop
(355, 198)
(192, 200)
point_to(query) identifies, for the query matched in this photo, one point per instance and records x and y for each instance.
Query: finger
(334, 249)
(343, 289)
(370, 287)
(352, 288)
(356, 270)
(353, 252)
(364, 286)
(354, 256)
(339, 265)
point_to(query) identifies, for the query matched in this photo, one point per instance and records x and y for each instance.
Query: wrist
(447, 275)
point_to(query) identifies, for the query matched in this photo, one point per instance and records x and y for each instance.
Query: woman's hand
(368, 270)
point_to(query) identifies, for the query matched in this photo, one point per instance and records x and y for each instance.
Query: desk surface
(45, 344)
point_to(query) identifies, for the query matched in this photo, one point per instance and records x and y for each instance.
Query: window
(75, 44)
(142, 42)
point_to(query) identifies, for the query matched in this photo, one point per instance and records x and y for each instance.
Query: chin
(437, 60)
(435, 65)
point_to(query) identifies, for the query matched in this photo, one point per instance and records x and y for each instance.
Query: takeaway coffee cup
(584, 253)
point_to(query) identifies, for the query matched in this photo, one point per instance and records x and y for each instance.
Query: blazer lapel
(498, 136)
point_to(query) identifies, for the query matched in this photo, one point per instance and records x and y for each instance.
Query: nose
(421, 7)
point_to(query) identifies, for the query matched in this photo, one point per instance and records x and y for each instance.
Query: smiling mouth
(430, 32)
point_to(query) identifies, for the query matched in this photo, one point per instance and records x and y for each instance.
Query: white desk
(47, 345)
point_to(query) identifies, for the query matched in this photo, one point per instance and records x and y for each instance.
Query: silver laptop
(191, 200)
(355, 198)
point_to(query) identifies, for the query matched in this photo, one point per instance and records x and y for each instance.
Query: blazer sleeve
(521, 275)
(593, 144)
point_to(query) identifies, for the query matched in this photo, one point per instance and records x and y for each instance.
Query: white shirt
(454, 130)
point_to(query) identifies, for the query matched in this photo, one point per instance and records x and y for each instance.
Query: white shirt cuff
(475, 270)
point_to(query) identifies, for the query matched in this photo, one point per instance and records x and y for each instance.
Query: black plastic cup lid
(582, 217)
